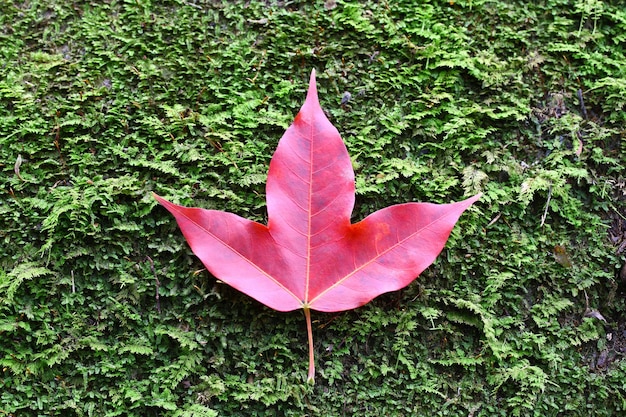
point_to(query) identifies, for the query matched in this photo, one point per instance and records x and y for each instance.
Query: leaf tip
(312, 93)
(165, 203)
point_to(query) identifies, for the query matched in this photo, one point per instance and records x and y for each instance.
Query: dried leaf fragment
(16, 168)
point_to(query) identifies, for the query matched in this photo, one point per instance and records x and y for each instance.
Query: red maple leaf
(310, 256)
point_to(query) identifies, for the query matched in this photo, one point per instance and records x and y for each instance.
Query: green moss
(101, 104)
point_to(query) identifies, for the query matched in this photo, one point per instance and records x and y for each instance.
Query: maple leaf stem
(309, 329)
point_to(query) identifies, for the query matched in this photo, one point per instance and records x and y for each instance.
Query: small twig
(589, 312)
(373, 57)
(197, 6)
(545, 212)
(617, 211)
(495, 219)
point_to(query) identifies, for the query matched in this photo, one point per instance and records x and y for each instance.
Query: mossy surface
(102, 103)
